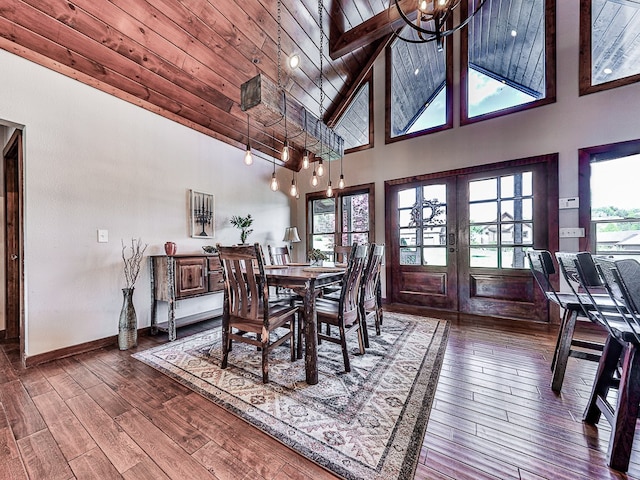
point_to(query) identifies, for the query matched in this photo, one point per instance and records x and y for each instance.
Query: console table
(177, 277)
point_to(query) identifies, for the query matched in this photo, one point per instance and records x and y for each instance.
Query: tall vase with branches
(128, 325)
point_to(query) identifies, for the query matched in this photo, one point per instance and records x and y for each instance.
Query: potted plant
(316, 256)
(244, 224)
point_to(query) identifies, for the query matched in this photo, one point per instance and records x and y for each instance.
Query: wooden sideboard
(177, 277)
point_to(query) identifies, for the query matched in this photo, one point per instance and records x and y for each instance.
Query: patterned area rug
(368, 424)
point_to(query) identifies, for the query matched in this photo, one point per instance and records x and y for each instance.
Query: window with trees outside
(609, 205)
(344, 219)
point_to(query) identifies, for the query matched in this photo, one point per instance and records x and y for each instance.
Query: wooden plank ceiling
(186, 59)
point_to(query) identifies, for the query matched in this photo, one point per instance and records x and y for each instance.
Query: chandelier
(432, 18)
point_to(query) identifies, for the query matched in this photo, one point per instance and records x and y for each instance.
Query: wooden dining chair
(279, 255)
(344, 313)
(248, 316)
(341, 253)
(368, 303)
(567, 345)
(619, 366)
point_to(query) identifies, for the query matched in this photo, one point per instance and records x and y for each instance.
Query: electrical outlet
(103, 236)
(573, 232)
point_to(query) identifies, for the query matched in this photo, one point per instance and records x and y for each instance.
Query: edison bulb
(248, 158)
(285, 152)
(320, 168)
(329, 190)
(274, 183)
(341, 182)
(314, 179)
(294, 189)
(305, 160)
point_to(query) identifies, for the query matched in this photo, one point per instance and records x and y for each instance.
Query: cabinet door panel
(191, 278)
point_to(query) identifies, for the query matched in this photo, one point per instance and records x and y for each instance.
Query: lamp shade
(291, 235)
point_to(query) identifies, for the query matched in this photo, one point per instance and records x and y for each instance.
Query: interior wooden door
(423, 250)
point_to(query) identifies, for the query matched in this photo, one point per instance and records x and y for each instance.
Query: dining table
(307, 280)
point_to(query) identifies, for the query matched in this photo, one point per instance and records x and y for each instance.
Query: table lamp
(291, 236)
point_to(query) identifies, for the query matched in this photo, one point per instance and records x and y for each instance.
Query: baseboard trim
(77, 349)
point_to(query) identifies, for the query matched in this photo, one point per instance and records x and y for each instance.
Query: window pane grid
(500, 227)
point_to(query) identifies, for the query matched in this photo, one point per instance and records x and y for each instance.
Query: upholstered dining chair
(248, 316)
(368, 303)
(279, 255)
(344, 313)
(542, 268)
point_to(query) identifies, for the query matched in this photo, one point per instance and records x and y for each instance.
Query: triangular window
(355, 125)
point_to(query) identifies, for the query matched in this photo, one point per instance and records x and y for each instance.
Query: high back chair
(279, 255)
(247, 314)
(619, 366)
(542, 268)
(369, 302)
(341, 253)
(344, 313)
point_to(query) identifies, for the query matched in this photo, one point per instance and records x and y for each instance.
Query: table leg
(311, 335)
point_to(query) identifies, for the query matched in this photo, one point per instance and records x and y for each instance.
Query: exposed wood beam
(339, 108)
(376, 27)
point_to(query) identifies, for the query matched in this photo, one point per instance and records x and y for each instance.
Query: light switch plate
(103, 236)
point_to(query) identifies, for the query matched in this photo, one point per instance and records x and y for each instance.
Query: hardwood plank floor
(104, 415)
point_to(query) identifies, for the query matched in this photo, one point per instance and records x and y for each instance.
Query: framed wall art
(202, 214)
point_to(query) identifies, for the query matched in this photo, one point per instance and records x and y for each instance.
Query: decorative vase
(170, 248)
(128, 326)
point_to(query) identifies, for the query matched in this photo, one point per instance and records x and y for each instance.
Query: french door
(458, 240)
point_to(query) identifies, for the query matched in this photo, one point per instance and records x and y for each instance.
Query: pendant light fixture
(305, 157)
(431, 18)
(274, 185)
(314, 178)
(285, 149)
(293, 191)
(341, 183)
(329, 187)
(248, 158)
(320, 168)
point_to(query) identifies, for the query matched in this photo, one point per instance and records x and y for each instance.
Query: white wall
(571, 123)
(93, 161)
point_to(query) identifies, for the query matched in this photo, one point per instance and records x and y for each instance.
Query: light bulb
(248, 158)
(285, 151)
(329, 190)
(274, 183)
(294, 189)
(314, 179)
(305, 160)
(341, 182)
(422, 5)
(320, 168)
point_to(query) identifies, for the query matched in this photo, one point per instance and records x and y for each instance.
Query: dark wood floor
(104, 415)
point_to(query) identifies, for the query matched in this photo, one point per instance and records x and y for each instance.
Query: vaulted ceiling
(186, 59)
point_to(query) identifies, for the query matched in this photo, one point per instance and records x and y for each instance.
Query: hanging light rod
(432, 18)
(261, 99)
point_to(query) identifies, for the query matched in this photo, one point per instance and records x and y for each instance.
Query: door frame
(13, 166)
(552, 240)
